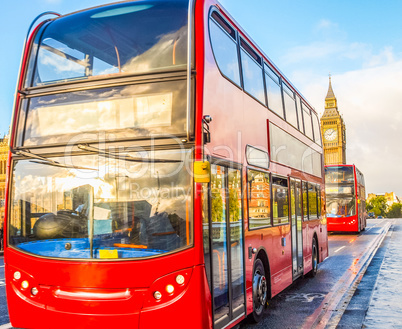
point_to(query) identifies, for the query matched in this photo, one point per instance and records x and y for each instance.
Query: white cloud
(370, 101)
(325, 24)
(311, 52)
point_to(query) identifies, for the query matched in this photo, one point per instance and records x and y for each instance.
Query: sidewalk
(377, 302)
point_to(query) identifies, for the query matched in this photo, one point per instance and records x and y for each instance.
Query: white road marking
(304, 298)
(6, 326)
(339, 249)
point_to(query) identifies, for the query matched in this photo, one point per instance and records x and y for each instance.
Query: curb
(332, 308)
(359, 304)
(339, 318)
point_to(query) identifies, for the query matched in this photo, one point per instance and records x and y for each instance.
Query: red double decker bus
(163, 172)
(345, 198)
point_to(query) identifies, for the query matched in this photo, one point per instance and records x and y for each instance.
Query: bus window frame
(271, 72)
(272, 199)
(304, 187)
(23, 109)
(250, 51)
(116, 260)
(286, 89)
(305, 108)
(255, 168)
(212, 10)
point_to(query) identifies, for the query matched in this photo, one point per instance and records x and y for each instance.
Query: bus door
(297, 227)
(224, 243)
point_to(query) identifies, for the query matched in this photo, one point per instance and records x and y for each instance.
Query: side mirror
(202, 172)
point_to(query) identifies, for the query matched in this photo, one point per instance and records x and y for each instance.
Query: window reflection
(273, 91)
(127, 111)
(280, 200)
(259, 199)
(132, 209)
(308, 126)
(252, 77)
(225, 51)
(219, 239)
(236, 237)
(305, 201)
(137, 38)
(341, 207)
(290, 106)
(312, 201)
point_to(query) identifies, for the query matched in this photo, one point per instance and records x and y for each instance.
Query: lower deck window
(259, 200)
(280, 198)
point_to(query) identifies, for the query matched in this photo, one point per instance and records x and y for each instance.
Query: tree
(378, 205)
(216, 205)
(395, 211)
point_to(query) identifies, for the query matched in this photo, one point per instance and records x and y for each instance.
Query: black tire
(260, 292)
(314, 259)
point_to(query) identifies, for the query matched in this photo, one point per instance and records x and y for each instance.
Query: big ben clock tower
(333, 131)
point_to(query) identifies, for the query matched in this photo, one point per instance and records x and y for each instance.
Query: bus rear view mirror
(202, 172)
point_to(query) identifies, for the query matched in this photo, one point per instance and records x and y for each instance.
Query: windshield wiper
(47, 161)
(125, 157)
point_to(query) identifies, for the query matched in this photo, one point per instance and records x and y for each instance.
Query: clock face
(330, 134)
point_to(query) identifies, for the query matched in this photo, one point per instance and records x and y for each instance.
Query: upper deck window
(317, 131)
(308, 126)
(290, 105)
(252, 72)
(125, 38)
(299, 114)
(224, 46)
(273, 91)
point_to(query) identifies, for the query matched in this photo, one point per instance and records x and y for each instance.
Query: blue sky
(359, 42)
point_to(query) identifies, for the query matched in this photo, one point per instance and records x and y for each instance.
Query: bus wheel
(260, 291)
(314, 259)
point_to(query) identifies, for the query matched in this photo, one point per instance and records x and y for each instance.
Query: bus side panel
(280, 257)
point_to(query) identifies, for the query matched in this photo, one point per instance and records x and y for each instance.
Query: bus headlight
(17, 275)
(24, 284)
(169, 289)
(157, 295)
(34, 291)
(180, 279)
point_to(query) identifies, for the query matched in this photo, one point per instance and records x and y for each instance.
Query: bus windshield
(339, 175)
(340, 191)
(130, 37)
(94, 206)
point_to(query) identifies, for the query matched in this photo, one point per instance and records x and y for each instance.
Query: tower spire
(330, 93)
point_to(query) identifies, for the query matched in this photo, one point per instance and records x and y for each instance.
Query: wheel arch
(263, 255)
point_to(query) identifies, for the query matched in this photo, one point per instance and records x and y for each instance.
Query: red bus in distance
(163, 173)
(346, 198)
